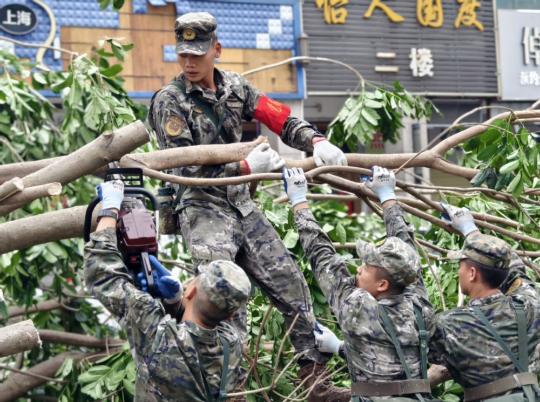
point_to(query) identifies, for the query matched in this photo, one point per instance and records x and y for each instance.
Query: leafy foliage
(379, 111)
(509, 158)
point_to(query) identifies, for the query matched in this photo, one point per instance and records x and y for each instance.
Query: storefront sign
(519, 51)
(17, 19)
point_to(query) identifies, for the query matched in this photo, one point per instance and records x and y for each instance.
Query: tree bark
(18, 338)
(46, 305)
(11, 187)
(110, 146)
(28, 195)
(39, 229)
(73, 339)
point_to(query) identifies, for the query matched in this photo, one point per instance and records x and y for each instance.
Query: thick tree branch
(73, 339)
(46, 305)
(18, 337)
(28, 195)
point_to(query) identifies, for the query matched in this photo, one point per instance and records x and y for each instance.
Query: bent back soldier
(383, 311)
(489, 345)
(205, 105)
(198, 359)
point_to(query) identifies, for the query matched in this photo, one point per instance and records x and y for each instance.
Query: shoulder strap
(423, 337)
(391, 330)
(481, 316)
(224, 370)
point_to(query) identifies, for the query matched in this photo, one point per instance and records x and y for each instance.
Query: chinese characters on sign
(531, 45)
(334, 10)
(421, 62)
(429, 13)
(531, 56)
(17, 19)
(391, 14)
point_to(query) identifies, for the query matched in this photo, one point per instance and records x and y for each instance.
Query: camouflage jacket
(178, 122)
(369, 349)
(168, 365)
(462, 344)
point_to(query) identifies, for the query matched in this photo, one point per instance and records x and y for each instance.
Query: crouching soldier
(196, 359)
(490, 346)
(383, 311)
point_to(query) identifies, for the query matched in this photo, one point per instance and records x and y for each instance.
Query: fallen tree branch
(73, 339)
(28, 195)
(18, 337)
(11, 187)
(46, 305)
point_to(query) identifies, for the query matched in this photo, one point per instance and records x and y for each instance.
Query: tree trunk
(39, 229)
(18, 338)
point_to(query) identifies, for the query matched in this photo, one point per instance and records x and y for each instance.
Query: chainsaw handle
(93, 204)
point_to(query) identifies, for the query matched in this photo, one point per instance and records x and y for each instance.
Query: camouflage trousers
(252, 243)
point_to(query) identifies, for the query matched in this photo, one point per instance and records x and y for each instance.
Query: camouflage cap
(394, 255)
(194, 33)
(485, 249)
(225, 284)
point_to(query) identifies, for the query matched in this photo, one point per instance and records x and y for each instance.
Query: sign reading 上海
(17, 19)
(519, 50)
(430, 46)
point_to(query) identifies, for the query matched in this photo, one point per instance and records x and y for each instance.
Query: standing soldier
(204, 105)
(383, 311)
(196, 360)
(490, 345)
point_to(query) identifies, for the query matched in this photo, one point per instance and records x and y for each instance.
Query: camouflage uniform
(370, 353)
(223, 222)
(173, 360)
(462, 343)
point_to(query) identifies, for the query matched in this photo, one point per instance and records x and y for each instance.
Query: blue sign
(17, 19)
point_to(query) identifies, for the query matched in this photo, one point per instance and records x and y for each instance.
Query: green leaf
(291, 238)
(341, 234)
(370, 115)
(516, 185)
(112, 71)
(509, 167)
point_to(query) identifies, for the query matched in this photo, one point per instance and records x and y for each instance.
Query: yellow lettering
(429, 13)
(467, 14)
(391, 14)
(334, 10)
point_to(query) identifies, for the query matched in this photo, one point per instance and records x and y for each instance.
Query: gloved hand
(325, 153)
(263, 159)
(111, 194)
(382, 183)
(295, 184)
(460, 219)
(167, 287)
(326, 340)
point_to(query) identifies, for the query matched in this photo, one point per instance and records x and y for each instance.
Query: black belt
(390, 388)
(499, 386)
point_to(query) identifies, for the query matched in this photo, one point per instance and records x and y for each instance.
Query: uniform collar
(203, 335)
(391, 300)
(222, 86)
(487, 300)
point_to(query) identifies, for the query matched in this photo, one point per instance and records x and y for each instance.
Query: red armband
(272, 114)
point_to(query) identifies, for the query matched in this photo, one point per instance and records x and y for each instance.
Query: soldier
(489, 345)
(205, 105)
(197, 359)
(383, 311)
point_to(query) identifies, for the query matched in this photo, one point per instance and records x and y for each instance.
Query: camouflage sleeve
(168, 120)
(397, 226)
(436, 350)
(108, 279)
(331, 272)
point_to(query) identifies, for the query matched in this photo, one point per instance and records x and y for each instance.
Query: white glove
(295, 185)
(460, 219)
(326, 340)
(263, 159)
(382, 183)
(325, 153)
(111, 194)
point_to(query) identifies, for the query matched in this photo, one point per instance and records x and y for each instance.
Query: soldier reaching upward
(198, 359)
(383, 311)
